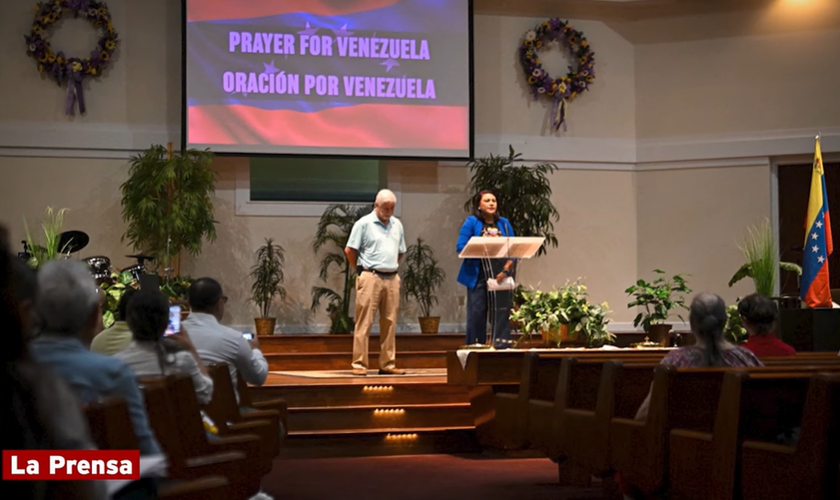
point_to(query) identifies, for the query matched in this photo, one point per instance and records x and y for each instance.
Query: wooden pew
(278, 404)
(111, 429)
(622, 389)
(640, 449)
(174, 415)
(224, 411)
(809, 469)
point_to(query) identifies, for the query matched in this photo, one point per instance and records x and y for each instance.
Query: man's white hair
(385, 196)
(67, 296)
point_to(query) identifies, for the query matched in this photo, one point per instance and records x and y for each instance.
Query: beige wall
(616, 223)
(747, 84)
(692, 221)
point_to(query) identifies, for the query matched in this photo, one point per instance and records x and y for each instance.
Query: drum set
(71, 242)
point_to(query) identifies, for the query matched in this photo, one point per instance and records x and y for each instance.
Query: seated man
(69, 312)
(116, 338)
(216, 343)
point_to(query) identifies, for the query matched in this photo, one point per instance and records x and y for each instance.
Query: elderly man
(68, 308)
(374, 249)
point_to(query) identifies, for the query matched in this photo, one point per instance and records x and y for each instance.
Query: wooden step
(384, 418)
(283, 343)
(341, 360)
(412, 392)
(376, 443)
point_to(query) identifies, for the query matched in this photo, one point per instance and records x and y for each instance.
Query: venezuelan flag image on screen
(337, 77)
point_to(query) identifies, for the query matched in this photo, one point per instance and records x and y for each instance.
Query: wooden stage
(374, 415)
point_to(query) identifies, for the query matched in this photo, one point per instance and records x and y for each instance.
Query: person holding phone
(161, 346)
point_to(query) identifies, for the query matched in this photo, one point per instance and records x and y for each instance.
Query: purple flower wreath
(71, 70)
(565, 88)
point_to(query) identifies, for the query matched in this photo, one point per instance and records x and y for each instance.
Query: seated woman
(707, 319)
(760, 315)
(151, 354)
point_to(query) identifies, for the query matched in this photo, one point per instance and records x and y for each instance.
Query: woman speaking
(474, 274)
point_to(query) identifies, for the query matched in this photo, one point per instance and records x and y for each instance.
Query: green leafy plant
(523, 193)
(762, 260)
(734, 330)
(52, 225)
(167, 203)
(545, 312)
(267, 276)
(422, 276)
(333, 232)
(659, 298)
(177, 288)
(120, 282)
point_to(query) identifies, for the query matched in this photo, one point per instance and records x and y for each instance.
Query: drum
(100, 266)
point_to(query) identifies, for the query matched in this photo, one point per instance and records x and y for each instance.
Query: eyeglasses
(224, 298)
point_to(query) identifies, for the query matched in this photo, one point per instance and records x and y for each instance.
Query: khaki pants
(375, 292)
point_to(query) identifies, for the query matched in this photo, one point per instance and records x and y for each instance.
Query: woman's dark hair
(477, 205)
(759, 313)
(122, 305)
(148, 316)
(708, 319)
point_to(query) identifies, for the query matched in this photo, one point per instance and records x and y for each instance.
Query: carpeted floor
(418, 477)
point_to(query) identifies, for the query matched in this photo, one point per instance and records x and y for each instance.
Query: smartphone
(248, 336)
(174, 325)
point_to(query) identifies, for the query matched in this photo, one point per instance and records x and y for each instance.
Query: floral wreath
(72, 70)
(565, 88)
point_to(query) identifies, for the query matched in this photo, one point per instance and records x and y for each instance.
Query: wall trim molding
(121, 141)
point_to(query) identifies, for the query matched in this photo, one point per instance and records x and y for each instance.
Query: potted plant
(420, 280)
(267, 276)
(659, 298)
(762, 260)
(333, 232)
(734, 330)
(564, 316)
(523, 193)
(113, 290)
(167, 203)
(52, 225)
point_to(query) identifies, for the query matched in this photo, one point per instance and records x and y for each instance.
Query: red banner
(77, 465)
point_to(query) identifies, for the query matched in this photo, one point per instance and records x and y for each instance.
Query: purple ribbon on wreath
(75, 94)
(558, 113)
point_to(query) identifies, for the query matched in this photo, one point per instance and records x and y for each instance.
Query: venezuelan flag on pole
(814, 287)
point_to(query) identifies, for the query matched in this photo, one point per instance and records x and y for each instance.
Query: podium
(488, 250)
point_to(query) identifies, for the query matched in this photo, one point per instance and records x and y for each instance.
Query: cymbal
(72, 241)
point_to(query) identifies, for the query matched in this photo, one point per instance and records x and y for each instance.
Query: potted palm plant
(659, 298)
(333, 232)
(420, 280)
(523, 193)
(267, 276)
(167, 203)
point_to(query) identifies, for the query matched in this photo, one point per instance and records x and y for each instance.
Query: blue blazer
(468, 275)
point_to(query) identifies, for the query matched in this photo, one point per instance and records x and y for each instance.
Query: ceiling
(659, 21)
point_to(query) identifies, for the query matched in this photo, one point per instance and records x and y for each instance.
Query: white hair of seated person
(67, 296)
(385, 196)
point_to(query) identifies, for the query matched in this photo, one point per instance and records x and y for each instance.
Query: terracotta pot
(571, 338)
(661, 334)
(265, 326)
(429, 324)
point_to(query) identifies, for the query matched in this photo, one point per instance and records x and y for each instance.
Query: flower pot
(571, 338)
(265, 326)
(429, 324)
(661, 334)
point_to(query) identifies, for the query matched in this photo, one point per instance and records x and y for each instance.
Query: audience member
(760, 315)
(39, 410)
(216, 343)
(151, 354)
(118, 336)
(69, 311)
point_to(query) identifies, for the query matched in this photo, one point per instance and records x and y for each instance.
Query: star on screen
(270, 68)
(308, 31)
(343, 31)
(389, 63)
